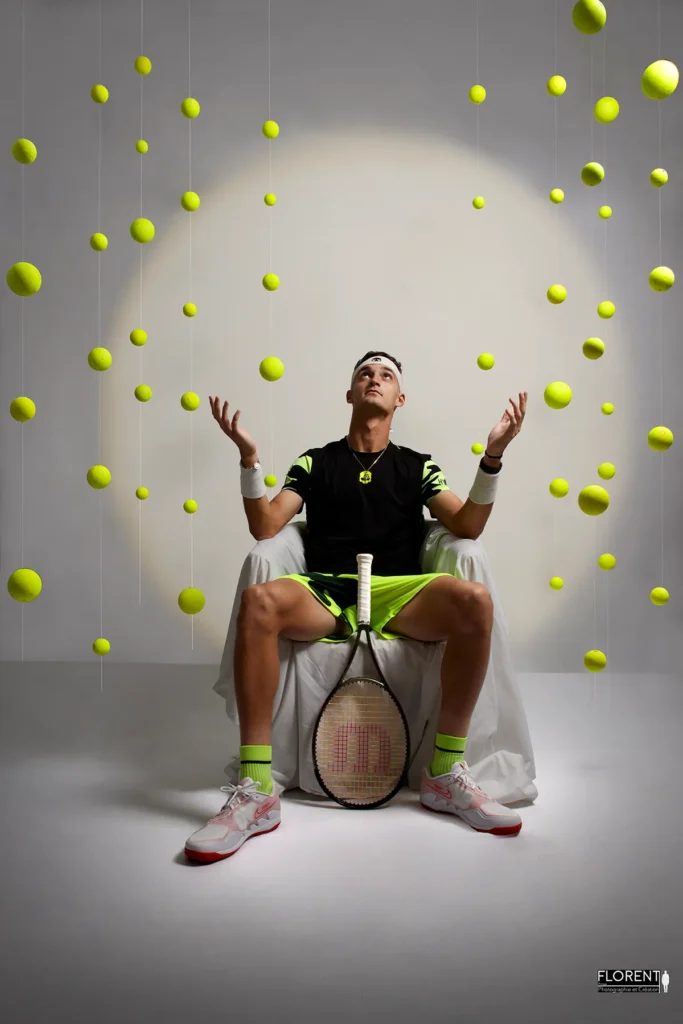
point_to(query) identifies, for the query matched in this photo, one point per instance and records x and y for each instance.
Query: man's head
(376, 389)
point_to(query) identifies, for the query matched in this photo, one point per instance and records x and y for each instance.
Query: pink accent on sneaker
(468, 801)
(266, 806)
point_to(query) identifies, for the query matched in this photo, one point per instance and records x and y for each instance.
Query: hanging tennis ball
(607, 562)
(606, 309)
(606, 470)
(142, 230)
(189, 309)
(190, 401)
(99, 93)
(271, 368)
(270, 480)
(143, 65)
(559, 488)
(24, 585)
(99, 477)
(593, 348)
(24, 151)
(22, 409)
(556, 195)
(190, 107)
(478, 202)
(607, 409)
(99, 359)
(477, 94)
(594, 661)
(270, 199)
(658, 177)
(138, 337)
(593, 500)
(101, 646)
(142, 493)
(606, 110)
(271, 129)
(659, 79)
(557, 395)
(191, 600)
(660, 439)
(477, 448)
(661, 279)
(143, 392)
(556, 294)
(556, 583)
(24, 279)
(190, 506)
(271, 282)
(141, 146)
(592, 173)
(605, 212)
(589, 16)
(660, 595)
(190, 201)
(99, 242)
(485, 361)
(556, 85)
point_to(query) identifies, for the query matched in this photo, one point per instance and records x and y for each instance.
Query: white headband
(384, 361)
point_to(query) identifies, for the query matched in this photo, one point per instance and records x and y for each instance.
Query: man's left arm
(470, 520)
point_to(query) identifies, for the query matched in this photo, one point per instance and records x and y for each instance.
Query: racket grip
(364, 562)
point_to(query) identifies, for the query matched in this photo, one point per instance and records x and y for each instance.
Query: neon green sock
(447, 750)
(255, 762)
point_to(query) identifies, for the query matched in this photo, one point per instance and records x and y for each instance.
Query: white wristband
(251, 481)
(484, 488)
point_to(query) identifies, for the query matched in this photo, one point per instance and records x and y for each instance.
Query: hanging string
(661, 305)
(140, 321)
(99, 341)
(189, 131)
(557, 278)
(23, 386)
(270, 256)
(606, 670)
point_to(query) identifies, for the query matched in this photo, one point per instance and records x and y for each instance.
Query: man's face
(375, 385)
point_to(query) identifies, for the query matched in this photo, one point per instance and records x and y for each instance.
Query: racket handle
(364, 563)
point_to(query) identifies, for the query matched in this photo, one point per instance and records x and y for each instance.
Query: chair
(499, 750)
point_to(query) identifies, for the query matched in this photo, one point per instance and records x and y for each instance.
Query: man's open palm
(242, 439)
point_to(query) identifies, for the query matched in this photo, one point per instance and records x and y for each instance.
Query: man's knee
(257, 604)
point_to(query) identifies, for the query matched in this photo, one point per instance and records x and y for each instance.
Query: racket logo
(361, 749)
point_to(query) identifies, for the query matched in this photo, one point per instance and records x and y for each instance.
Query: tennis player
(362, 493)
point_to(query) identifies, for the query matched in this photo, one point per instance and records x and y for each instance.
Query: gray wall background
(377, 246)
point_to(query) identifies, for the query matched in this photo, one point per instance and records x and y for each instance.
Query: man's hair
(367, 356)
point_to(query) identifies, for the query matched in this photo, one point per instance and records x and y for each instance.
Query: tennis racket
(361, 743)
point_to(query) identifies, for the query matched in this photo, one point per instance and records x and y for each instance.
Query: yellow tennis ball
(270, 480)
(606, 470)
(190, 201)
(190, 107)
(142, 493)
(478, 202)
(271, 282)
(659, 79)
(556, 85)
(143, 392)
(101, 646)
(24, 151)
(191, 600)
(660, 439)
(661, 279)
(189, 309)
(606, 310)
(22, 409)
(271, 368)
(190, 506)
(594, 661)
(141, 146)
(607, 408)
(556, 294)
(138, 337)
(556, 583)
(658, 177)
(99, 359)
(593, 348)
(606, 110)
(271, 129)
(143, 65)
(592, 173)
(557, 395)
(142, 230)
(559, 488)
(485, 361)
(190, 401)
(24, 279)
(593, 500)
(659, 595)
(270, 199)
(99, 477)
(477, 448)
(607, 562)
(477, 94)
(605, 212)
(556, 195)
(589, 16)
(99, 93)
(24, 585)
(99, 242)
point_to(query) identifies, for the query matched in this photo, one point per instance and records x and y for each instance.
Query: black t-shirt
(384, 517)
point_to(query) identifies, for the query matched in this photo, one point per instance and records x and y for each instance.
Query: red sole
(511, 830)
(211, 858)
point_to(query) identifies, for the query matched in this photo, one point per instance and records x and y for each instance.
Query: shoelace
(465, 780)
(237, 792)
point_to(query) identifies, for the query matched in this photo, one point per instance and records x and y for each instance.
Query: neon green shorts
(339, 594)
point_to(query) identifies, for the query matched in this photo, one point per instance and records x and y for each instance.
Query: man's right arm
(257, 509)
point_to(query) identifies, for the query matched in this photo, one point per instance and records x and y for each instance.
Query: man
(362, 493)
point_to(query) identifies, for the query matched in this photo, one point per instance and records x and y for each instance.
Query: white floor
(395, 914)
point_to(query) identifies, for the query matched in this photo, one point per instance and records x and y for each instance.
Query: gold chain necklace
(366, 476)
